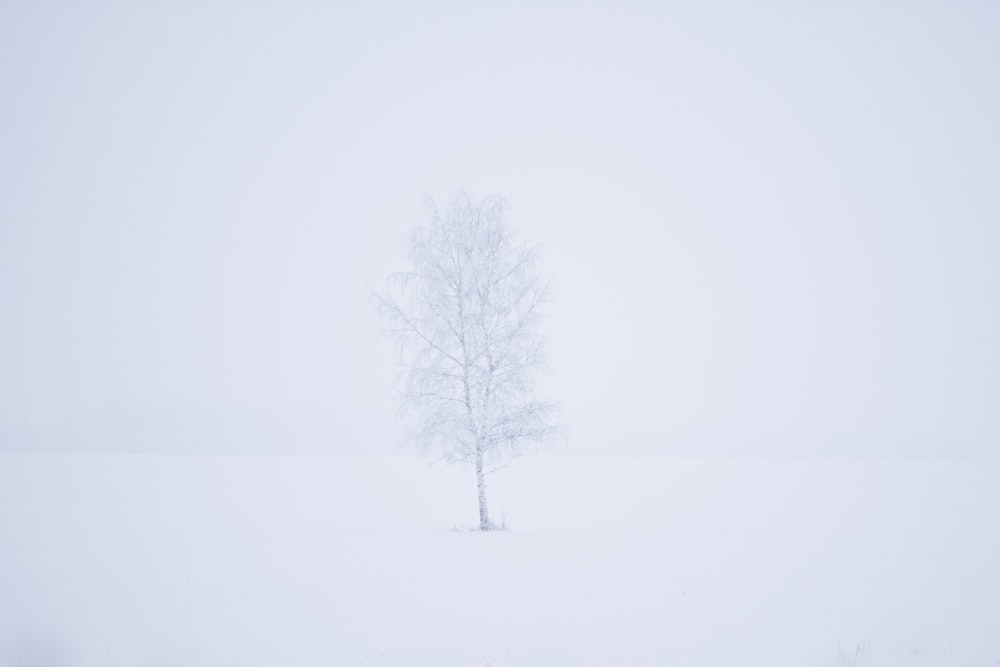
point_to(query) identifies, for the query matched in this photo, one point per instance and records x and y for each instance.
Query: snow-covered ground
(218, 561)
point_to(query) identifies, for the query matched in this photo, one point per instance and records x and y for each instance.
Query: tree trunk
(484, 515)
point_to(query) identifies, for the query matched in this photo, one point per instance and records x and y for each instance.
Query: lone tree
(466, 318)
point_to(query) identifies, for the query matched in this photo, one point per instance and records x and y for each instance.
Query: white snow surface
(216, 561)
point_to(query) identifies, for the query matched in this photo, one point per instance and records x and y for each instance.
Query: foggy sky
(770, 230)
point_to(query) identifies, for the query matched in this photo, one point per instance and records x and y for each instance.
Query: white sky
(770, 229)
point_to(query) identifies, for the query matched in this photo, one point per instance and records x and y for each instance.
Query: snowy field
(239, 561)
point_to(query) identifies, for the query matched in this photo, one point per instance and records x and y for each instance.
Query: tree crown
(466, 316)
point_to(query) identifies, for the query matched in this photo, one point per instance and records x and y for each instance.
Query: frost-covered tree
(466, 317)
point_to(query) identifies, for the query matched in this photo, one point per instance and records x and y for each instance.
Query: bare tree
(466, 318)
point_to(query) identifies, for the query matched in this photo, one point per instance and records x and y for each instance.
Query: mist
(769, 231)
